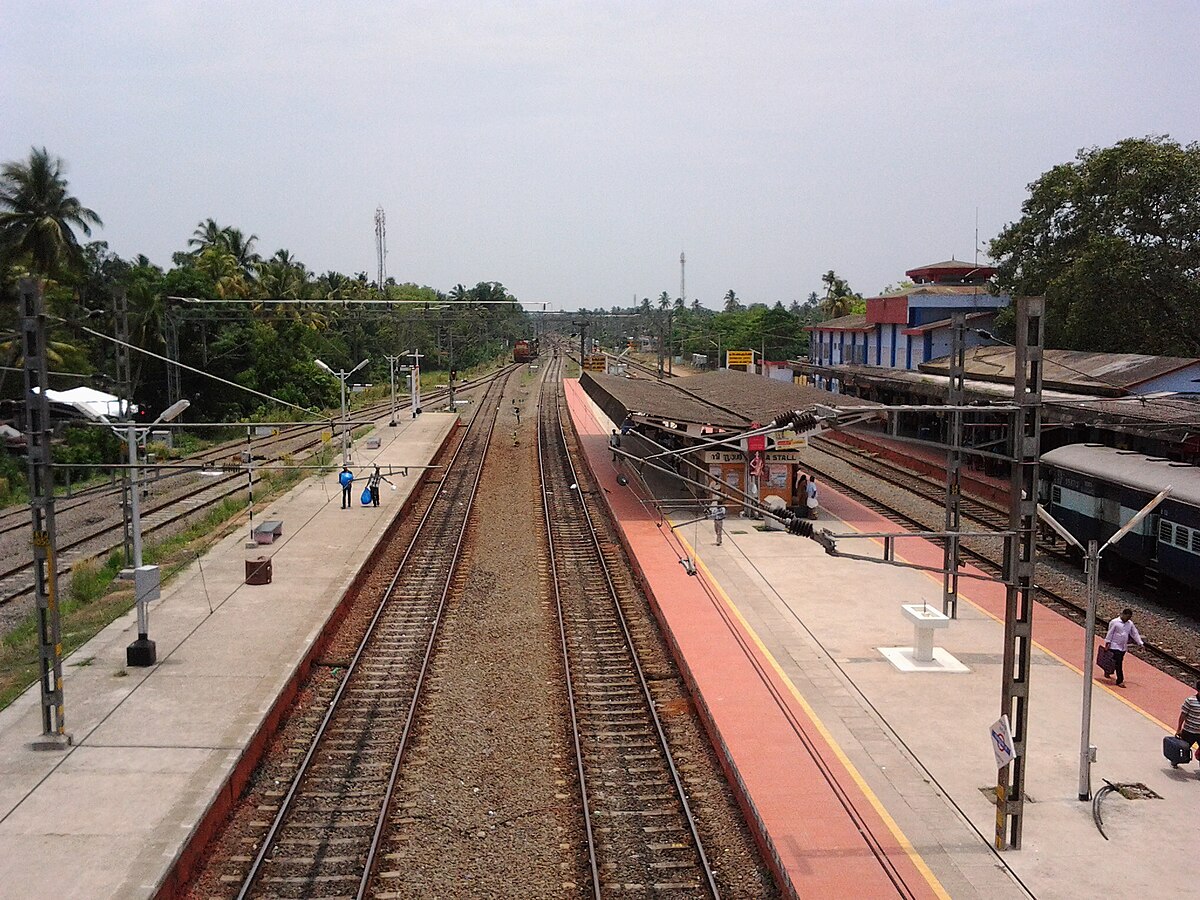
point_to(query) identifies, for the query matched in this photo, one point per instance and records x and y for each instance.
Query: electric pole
(41, 507)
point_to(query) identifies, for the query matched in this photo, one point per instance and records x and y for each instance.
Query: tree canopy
(1112, 240)
(38, 216)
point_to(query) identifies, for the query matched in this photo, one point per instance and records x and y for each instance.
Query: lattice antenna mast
(381, 244)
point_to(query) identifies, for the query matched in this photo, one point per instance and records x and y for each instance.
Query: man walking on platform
(615, 442)
(1121, 631)
(1189, 719)
(716, 512)
(346, 480)
(373, 485)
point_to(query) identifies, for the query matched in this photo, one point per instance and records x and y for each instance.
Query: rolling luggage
(1176, 750)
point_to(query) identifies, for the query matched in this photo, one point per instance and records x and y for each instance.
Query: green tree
(840, 299)
(732, 304)
(1112, 240)
(38, 215)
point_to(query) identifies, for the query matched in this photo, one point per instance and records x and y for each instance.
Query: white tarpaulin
(95, 402)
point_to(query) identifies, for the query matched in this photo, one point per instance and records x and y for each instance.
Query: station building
(911, 327)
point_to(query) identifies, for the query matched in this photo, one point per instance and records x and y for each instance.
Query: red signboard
(756, 443)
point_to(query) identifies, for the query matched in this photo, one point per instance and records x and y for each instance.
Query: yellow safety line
(891, 824)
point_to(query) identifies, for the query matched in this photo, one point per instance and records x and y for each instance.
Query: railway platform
(861, 779)
(159, 754)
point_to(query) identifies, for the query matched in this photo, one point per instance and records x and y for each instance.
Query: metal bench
(268, 531)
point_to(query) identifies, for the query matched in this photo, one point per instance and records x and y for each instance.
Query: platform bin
(258, 570)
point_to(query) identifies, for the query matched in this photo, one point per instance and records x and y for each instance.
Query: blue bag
(366, 497)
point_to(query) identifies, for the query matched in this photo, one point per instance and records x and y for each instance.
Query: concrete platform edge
(745, 802)
(184, 866)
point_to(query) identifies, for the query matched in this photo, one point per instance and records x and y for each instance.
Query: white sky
(572, 150)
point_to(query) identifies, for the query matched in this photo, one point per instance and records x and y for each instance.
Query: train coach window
(1056, 495)
(1181, 536)
(1196, 541)
(1164, 532)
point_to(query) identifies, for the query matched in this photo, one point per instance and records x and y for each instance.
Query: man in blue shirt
(346, 480)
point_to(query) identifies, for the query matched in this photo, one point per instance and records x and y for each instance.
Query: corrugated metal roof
(855, 321)
(1106, 374)
(1144, 473)
(726, 398)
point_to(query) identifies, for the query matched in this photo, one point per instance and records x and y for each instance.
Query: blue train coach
(1093, 490)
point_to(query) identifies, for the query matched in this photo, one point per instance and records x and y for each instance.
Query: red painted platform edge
(186, 863)
(917, 464)
(758, 829)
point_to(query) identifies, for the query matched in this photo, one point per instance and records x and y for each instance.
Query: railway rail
(326, 834)
(1161, 657)
(99, 533)
(640, 830)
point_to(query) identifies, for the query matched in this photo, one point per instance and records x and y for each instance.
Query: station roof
(1170, 418)
(1079, 371)
(945, 323)
(951, 268)
(853, 322)
(726, 399)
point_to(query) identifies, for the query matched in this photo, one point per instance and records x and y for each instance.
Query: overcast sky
(571, 151)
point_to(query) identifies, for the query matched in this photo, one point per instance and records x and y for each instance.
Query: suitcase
(1105, 660)
(1176, 750)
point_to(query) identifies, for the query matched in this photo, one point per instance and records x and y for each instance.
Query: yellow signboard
(597, 362)
(739, 357)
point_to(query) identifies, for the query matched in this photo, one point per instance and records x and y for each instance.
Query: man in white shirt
(1121, 631)
(716, 512)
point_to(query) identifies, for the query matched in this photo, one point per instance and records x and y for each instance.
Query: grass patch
(96, 596)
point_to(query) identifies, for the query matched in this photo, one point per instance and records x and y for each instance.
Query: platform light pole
(1092, 556)
(342, 375)
(414, 375)
(142, 652)
(392, 362)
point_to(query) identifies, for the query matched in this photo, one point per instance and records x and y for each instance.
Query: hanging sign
(739, 357)
(1002, 742)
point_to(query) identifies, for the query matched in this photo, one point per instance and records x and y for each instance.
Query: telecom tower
(381, 244)
(682, 289)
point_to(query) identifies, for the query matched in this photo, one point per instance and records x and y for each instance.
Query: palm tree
(458, 293)
(38, 214)
(207, 234)
(664, 300)
(732, 303)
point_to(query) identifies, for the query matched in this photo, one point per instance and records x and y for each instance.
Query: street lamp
(1092, 555)
(146, 579)
(342, 375)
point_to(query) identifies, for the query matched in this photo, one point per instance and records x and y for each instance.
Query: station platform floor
(868, 781)
(159, 753)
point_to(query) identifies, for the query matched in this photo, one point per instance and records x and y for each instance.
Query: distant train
(524, 351)
(1094, 490)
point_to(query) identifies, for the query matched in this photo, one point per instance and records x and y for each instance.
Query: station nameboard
(737, 456)
(739, 357)
(597, 362)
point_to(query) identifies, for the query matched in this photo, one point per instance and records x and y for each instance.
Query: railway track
(325, 836)
(641, 835)
(990, 563)
(99, 534)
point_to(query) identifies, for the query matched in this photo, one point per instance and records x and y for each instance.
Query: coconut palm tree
(732, 303)
(37, 215)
